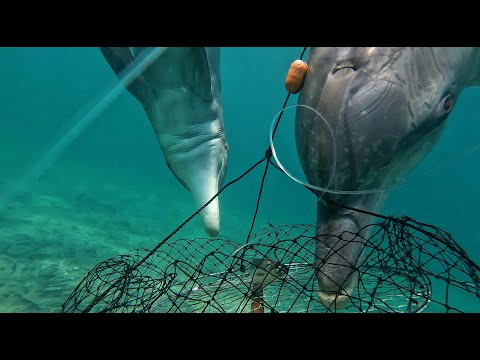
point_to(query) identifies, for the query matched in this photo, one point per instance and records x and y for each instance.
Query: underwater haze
(108, 190)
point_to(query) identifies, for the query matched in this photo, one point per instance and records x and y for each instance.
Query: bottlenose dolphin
(387, 107)
(181, 95)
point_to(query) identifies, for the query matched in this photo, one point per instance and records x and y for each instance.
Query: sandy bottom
(50, 241)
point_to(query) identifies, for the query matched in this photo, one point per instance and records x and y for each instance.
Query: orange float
(296, 76)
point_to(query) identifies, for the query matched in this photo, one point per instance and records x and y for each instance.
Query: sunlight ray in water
(82, 120)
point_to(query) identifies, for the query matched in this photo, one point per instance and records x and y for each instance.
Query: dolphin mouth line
(346, 66)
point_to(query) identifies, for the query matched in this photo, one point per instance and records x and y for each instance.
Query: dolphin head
(198, 159)
(387, 108)
(185, 109)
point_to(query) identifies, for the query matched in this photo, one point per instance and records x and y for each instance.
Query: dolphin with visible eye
(387, 108)
(181, 95)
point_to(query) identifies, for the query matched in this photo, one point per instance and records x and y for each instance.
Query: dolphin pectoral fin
(201, 82)
(119, 58)
(136, 50)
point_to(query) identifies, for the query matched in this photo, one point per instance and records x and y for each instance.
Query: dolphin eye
(447, 103)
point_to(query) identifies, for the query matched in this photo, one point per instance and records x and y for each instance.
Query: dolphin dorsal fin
(201, 81)
(178, 67)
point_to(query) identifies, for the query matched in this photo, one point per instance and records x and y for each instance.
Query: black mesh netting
(407, 267)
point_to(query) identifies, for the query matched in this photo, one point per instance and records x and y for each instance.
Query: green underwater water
(110, 191)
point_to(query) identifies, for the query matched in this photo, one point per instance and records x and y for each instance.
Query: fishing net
(408, 267)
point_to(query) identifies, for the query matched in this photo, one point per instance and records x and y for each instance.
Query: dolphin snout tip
(334, 290)
(212, 229)
(211, 222)
(333, 299)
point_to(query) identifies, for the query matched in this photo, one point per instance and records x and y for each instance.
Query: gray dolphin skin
(387, 108)
(181, 95)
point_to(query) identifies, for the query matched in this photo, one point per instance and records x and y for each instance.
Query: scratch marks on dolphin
(436, 64)
(372, 107)
(428, 105)
(410, 110)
